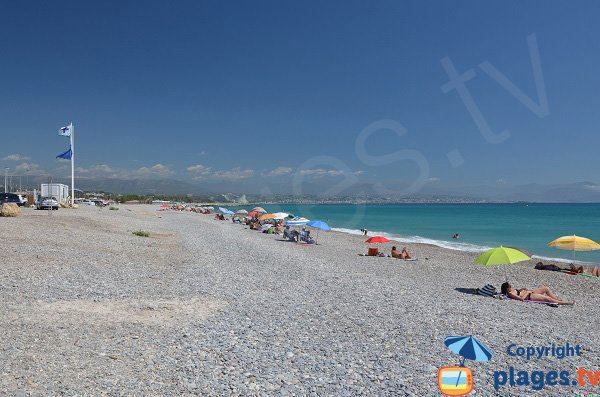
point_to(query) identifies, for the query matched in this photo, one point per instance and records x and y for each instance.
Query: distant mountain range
(577, 192)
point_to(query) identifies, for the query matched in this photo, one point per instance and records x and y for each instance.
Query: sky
(334, 93)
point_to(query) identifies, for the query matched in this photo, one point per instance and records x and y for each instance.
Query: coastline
(208, 307)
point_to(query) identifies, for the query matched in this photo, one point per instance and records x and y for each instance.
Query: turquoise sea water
(526, 226)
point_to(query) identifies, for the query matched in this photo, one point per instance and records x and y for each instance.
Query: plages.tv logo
(458, 380)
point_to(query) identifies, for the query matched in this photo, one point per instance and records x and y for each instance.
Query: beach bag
(487, 290)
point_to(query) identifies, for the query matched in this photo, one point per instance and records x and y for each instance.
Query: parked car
(23, 199)
(47, 203)
(9, 198)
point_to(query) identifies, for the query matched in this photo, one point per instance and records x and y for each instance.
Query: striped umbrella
(297, 221)
(468, 348)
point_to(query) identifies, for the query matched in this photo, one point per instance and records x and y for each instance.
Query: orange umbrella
(266, 216)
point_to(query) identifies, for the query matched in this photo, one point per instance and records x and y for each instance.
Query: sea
(525, 226)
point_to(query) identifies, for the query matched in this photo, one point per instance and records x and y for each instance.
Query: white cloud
(28, 168)
(321, 173)
(107, 171)
(203, 172)
(233, 174)
(155, 170)
(279, 171)
(16, 157)
(96, 169)
(199, 169)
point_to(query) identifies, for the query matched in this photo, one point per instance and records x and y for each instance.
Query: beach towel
(487, 290)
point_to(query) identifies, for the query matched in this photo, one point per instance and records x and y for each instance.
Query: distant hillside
(577, 192)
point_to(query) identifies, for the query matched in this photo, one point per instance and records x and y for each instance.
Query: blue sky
(257, 91)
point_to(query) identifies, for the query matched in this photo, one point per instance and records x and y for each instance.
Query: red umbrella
(252, 214)
(377, 239)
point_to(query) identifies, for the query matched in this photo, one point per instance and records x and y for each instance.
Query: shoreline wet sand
(203, 307)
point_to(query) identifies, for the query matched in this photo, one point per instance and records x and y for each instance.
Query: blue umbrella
(319, 225)
(469, 348)
(223, 210)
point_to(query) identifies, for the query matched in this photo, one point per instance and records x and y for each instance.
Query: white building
(57, 190)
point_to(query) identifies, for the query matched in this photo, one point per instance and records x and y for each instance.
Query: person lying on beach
(542, 266)
(396, 253)
(542, 294)
(580, 269)
(404, 254)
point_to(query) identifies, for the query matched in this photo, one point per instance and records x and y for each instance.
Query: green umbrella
(501, 256)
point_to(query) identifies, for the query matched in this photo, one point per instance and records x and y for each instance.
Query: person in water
(542, 294)
(455, 236)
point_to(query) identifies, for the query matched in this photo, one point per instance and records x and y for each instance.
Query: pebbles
(210, 308)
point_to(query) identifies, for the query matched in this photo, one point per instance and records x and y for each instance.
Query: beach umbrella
(319, 225)
(377, 239)
(280, 215)
(252, 214)
(266, 217)
(297, 221)
(259, 209)
(501, 256)
(468, 348)
(241, 212)
(574, 243)
(223, 210)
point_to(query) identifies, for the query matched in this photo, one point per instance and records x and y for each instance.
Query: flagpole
(72, 165)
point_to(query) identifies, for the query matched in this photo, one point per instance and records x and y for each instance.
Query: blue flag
(66, 155)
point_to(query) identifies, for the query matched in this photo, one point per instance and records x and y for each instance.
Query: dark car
(9, 198)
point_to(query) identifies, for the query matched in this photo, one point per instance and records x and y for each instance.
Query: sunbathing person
(396, 254)
(404, 254)
(542, 266)
(580, 269)
(542, 294)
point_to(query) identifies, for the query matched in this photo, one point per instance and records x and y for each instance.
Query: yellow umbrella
(574, 243)
(266, 216)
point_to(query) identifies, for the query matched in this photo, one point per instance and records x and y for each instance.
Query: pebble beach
(207, 307)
